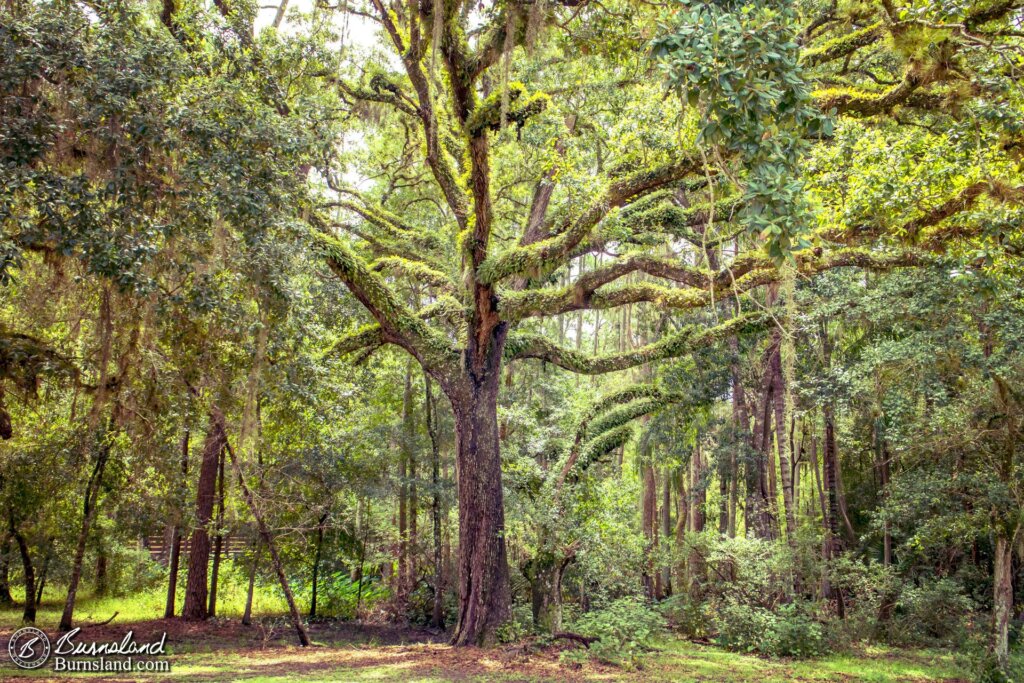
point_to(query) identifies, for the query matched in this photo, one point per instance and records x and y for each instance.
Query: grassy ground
(223, 650)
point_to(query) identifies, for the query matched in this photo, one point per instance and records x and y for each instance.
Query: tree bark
(682, 521)
(92, 492)
(484, 595)
(100, 586)
(437, 614)
(698, 518)
(407, 491)
(247, 614)
(649, 521)
(5, 572)
(42, 578)
(1002, 605)
(218, 540)
(545, 575)
(761, 502)
(199, 551)
(779, 405)
(175, 559)
(318, 553)
(666, 530)
(28, 614)
(401, 577)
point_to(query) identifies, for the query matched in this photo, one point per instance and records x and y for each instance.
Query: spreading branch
(555, 250)
(673, 345)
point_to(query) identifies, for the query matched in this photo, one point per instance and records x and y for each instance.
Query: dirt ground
(221, 650)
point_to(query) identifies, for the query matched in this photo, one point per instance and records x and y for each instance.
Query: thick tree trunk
(175, 559)
(546, 592)
(199, 551)
(218, 540)
(92, 492)
(28, 573)
(484, 595)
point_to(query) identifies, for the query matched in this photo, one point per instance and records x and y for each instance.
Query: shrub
(789, 631)
(518, 626)
(339, 595)
(624, 629)
(688, 617)
(930, 612)
(865, 586)
(979, 664)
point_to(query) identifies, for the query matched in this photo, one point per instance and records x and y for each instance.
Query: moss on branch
(844, 45)
(548, 254)
(850, 101)
(672, 346)
(398, 324)
(488, 114)
(416, 270)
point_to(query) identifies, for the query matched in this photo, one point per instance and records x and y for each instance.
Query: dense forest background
(561, 317)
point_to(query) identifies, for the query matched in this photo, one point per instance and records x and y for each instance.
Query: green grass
(684, 661)
(675, 660)
(220, 651)
(147, 604)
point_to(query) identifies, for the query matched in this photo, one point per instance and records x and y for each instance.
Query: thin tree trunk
(5, 572)
(818, 477)
(218, 540)
(362, 557)
(92, 492)
(698, 518)
(279, 14)
(247, 614)
(28, 614)
(404, 575)
(265, 535)
(437, 614)
(1002, 605)
(316, 564)
(42, 578)
(100, 585)
(682, 520)
(175, 559)
(666, 530)
(781, 442)
(763, 498)
(649, 521)
(199, 551)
